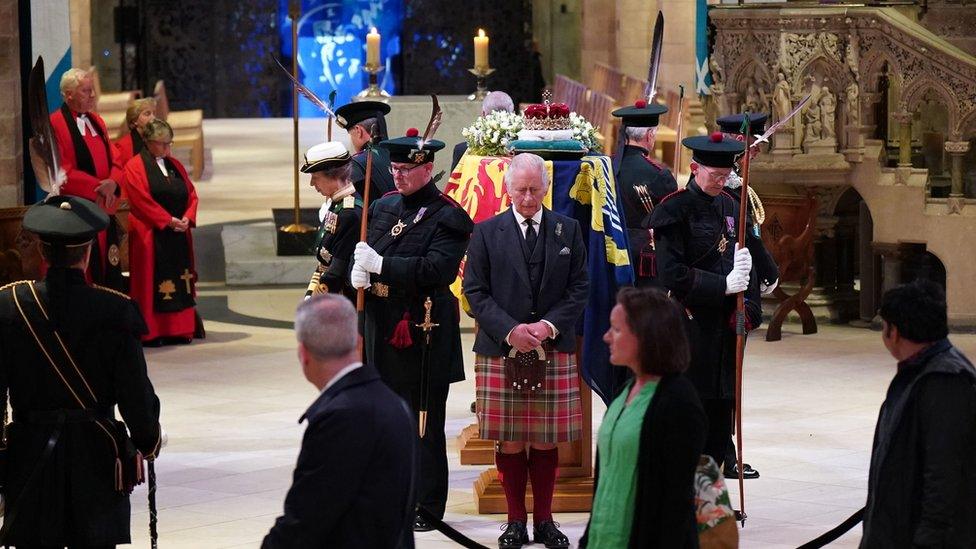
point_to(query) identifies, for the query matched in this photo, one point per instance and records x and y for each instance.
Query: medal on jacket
(722, 244)
(420, 215)
(398, 228)
(331, 222)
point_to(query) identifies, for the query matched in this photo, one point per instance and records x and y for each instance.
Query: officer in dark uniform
(366, 123)
(416, 239)
(69, 353)
(642, 183)
(766, 269)
(695, 232)
(330, 166)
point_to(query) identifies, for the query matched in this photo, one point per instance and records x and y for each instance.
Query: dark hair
(658, 322)
(369, 125)
(59, 255)
(917, 309)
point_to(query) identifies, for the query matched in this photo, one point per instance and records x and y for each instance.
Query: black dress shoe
(549, 534)
(747, 471)
(515, 535)
(420, 524)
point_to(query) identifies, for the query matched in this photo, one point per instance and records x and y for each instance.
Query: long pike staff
(153, 535)
(740, 319)
(677, 138)
(361, 292)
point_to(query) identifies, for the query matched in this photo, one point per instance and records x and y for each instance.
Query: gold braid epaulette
(111, 291)
(12, 284)
(757, 207)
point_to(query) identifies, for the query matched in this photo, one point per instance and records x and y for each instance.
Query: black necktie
(530, 234)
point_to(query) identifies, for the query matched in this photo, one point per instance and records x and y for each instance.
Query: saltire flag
(609, 268)
(703, 78)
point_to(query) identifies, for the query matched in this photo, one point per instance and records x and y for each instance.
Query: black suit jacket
(496, 280)
(353, 484)
(459, 151)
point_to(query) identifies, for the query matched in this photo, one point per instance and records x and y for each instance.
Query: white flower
(490, 134)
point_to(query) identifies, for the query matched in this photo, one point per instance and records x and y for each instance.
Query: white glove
(736, 282)
(768, 290)
(367, 257)
(743, 260)
(163, 438)
(359, 277)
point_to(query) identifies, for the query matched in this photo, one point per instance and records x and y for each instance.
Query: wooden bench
(187, 128)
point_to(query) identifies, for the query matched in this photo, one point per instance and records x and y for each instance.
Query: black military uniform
(64, 449)
(348, 116)
(766, 268)
(422, 238)
(695, 237)
(642, 183)
(339, 229)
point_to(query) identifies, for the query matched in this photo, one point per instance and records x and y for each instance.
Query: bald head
(497, 101)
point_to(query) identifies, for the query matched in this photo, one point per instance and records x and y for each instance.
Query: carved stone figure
(828, 107)
(811, 122)
(753, 101)
(853, 106)
(781, 98)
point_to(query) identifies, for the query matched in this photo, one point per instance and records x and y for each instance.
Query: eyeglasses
(163, 143)
(404, 171)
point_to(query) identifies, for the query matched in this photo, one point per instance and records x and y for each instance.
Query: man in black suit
(525, 279)
(353, 484)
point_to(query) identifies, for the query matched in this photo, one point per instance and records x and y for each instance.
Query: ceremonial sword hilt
(427, 325)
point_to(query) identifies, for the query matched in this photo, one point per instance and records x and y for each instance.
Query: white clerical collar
(161, 162)
(341, 374)
(85, 125)
(520, 219)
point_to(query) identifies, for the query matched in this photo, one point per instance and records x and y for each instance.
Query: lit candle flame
(481, 33)
(373, 31)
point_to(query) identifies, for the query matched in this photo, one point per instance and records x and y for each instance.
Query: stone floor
(231, 402)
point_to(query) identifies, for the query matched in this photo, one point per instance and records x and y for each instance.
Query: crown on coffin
(546, 115)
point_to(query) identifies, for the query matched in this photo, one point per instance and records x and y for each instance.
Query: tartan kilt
(552, 415)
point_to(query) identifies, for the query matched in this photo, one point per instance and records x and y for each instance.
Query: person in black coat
(526, 281)
(642, 182)
(695, 232)
(414, 245)
(921, 484)
(353, 483)
(60, 478)
(366, 123)
(329, 164)
(652, 435)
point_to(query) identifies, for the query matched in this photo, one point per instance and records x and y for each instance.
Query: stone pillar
(904, 119)
(957, 149)
(11, 148)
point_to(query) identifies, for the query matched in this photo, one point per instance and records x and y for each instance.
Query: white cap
(330, 154)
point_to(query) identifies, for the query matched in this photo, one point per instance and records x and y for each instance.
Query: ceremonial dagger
(427, 326)
(740, 319)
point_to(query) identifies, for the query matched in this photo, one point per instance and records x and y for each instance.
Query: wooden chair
(607, 80)
(569, 91)
(599, 106)
(187, 128)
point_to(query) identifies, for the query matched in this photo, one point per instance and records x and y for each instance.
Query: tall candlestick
(481, 50)
(373, 48)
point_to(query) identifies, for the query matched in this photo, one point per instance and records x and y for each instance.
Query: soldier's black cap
(65, 220)
(351, 114)
(641, 114)
(407, 149)
(733, 123)
(714, 150)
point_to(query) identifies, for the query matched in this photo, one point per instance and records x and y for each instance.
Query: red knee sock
(542, 470)
(513, 473)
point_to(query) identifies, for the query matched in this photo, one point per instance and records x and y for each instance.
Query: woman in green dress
(652, 434)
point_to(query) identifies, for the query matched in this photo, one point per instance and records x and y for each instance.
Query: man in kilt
(526, 281)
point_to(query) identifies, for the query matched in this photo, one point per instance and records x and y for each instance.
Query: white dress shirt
(161, 162)
(85, 125)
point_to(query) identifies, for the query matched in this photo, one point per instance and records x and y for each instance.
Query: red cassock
(145, 217)
(125, 149)
(104, 159)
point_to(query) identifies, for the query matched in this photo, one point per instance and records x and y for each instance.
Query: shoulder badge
(349, 201)
(12, 284)
(111, 291)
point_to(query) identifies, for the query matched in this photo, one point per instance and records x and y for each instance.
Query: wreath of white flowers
(491, 134)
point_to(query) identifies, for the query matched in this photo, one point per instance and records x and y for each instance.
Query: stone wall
(11, 155)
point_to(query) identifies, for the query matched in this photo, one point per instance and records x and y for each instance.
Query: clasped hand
(526, 337)
(179, 225)
(106, 191)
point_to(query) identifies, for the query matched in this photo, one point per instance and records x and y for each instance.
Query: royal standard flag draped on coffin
(583, 189)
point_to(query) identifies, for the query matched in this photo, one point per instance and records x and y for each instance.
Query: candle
(373, 48)
(481, 50)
